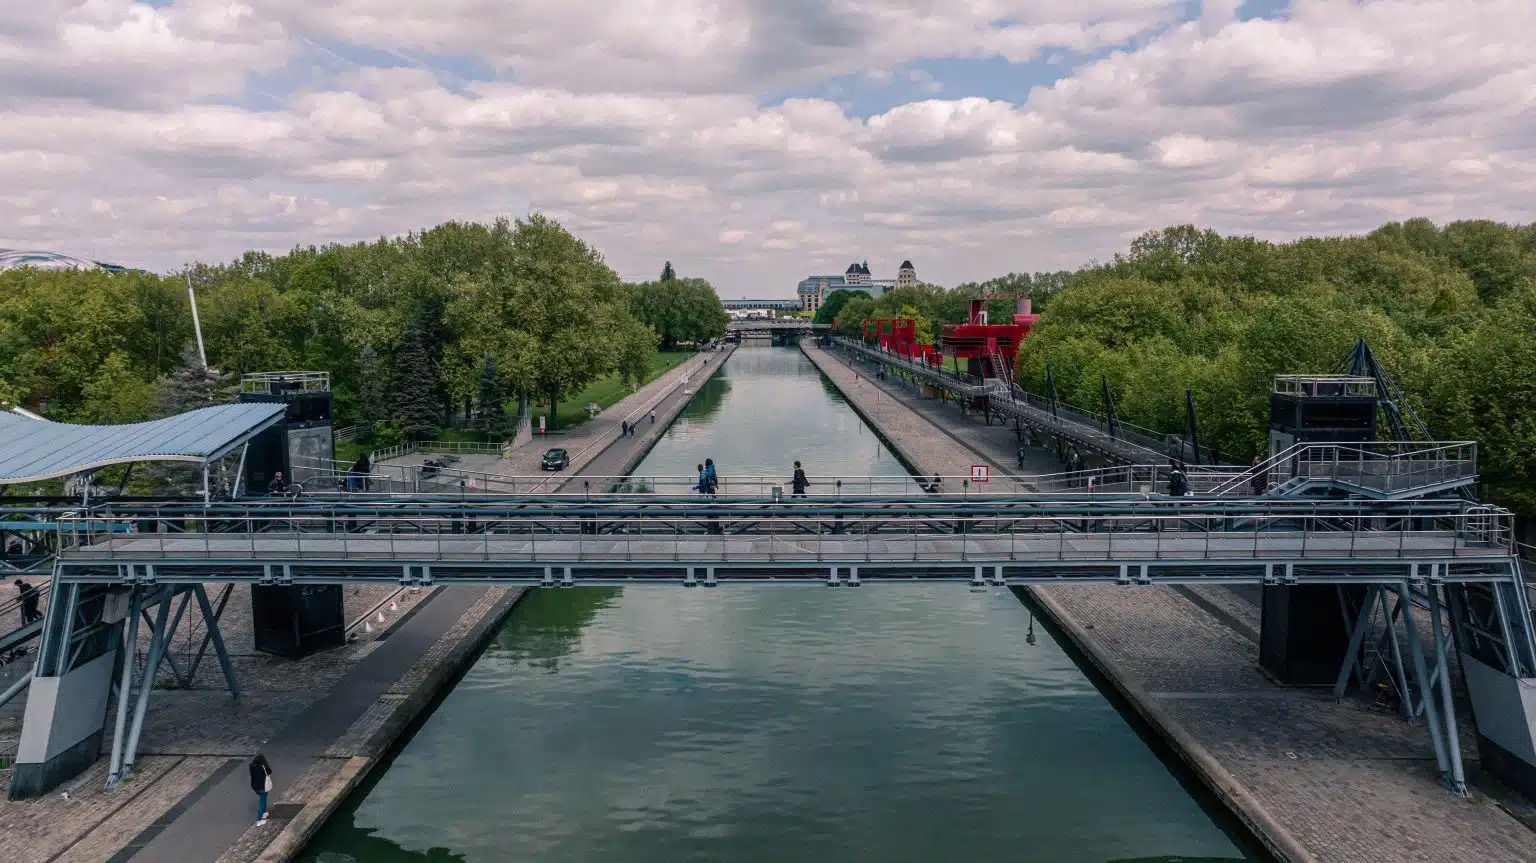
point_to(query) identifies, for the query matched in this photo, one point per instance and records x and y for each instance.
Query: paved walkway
(205, 828)
(1342, 781)
(589, 444)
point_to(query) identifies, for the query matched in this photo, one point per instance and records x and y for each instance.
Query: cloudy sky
(754, 141)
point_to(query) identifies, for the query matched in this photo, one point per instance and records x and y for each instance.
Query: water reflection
(887, 723)
(550, 624)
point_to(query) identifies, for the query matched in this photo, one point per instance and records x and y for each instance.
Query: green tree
(373, 401)
(679, 310)
(850, 321)
(667, 273)
(117, 394)
(416, 403)
(490, 409)
(832, 305)
(1482, 389)
(189, 387)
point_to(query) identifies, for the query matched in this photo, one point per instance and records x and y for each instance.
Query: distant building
(12, 258)
(814, 290)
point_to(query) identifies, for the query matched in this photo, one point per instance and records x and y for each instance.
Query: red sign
(979, 472)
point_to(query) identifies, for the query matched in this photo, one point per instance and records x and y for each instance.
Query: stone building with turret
(814, 290)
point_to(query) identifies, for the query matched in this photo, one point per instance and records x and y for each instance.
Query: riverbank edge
(290, 842)
(645, 442)
(1273, 835)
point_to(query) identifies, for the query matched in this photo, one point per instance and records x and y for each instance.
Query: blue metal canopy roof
(33, 449)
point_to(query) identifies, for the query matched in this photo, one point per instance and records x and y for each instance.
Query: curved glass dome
(11, 258)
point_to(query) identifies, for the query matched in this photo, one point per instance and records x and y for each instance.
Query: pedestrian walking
(364, 468)
(711, 477)
(30, 596)
(261, 783)
(1260, 479)
(799, 483)
(1178, 482)
(653, 417)
(703, 486)
(623, 428)
(1022, 453)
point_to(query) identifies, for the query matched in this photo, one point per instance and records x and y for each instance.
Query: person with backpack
(711, 477)
(1178, 482)
(261, 783)
(799, 483)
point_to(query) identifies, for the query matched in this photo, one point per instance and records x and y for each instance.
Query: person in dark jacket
(261, 783)
(713, 478)
(30, 596)
(1178, 483)
(1260, 480)
(703, 486)
(799, 483)
(277, 486)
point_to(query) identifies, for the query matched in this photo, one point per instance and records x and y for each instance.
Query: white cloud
(136, 133)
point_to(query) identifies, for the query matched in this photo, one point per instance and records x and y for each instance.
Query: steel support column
(211, 620)
(157, 640)
(208, 635)
(124, 687)
(1420, 671)
(1356, 640)
(1458, 778)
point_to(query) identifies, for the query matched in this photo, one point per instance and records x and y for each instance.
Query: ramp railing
(1384, 467)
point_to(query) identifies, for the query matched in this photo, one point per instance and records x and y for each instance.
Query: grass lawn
(607, 391)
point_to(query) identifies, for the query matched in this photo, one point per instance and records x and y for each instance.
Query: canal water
(887, 723)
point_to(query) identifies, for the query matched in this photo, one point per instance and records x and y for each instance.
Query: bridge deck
(521, 558)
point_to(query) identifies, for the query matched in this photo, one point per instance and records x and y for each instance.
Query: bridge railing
(1303, 533)
(1061, 418)
(1386, 467)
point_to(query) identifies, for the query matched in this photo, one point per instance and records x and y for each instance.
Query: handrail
(1382, 452)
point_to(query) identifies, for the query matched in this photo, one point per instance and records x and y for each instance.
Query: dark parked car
(555, 459)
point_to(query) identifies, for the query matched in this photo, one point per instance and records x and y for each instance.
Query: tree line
(462, 317)
(1449, 311)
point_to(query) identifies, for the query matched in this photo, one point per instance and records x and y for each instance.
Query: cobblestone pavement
(1348, 782)
(190, 733)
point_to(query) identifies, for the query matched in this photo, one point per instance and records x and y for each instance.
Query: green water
(887, 723)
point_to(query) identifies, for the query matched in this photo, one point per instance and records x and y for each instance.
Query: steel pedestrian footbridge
(1125, 539)
(115, 561)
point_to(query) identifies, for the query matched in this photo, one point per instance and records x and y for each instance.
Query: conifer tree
(667, 273)
(415, 395)
(373, 403)
(489, 410)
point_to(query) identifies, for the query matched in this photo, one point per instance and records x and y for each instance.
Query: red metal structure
(988, 349)
(899, 336)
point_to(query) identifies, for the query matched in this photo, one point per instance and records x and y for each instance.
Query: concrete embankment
(1311, 779)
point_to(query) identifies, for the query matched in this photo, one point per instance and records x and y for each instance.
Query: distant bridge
(774, 325)
(777, 305)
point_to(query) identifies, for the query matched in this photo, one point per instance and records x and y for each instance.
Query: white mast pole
(197, 326)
